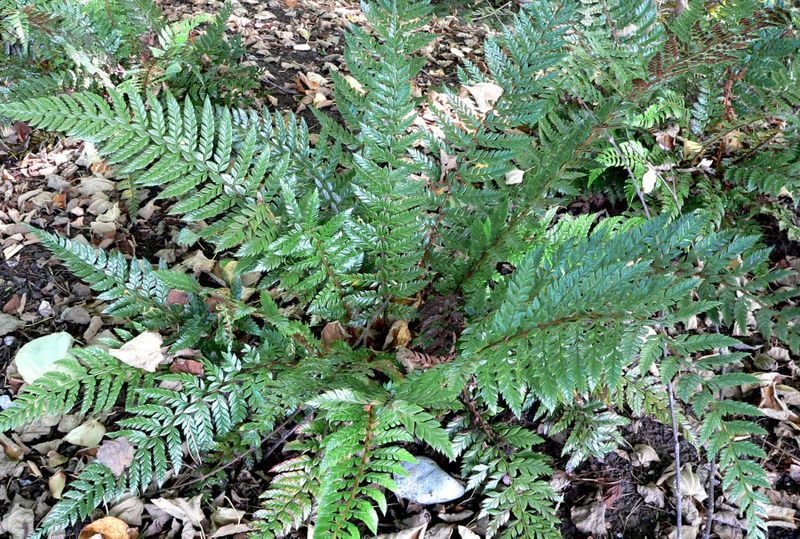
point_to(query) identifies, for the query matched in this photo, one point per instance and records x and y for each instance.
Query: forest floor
(60, 185)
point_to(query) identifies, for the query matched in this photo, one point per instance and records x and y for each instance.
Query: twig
(362, 338)
(677, 449)
(249, 452)
(710, 507)
(277, 86)
(632, 175)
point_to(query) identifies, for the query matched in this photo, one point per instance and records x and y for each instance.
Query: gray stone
(426, 483)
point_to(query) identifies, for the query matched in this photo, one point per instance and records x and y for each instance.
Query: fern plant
(573, 322)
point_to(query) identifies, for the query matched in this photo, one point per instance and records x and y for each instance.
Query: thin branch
(247, 453)
(710, 506)
(632, 175)
(677, 450)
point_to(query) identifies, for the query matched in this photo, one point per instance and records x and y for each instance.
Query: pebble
(45, 309)
(5, 402)
(426, 483)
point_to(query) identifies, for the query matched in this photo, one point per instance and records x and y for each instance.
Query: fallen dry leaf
(9, 324)
(116, 454)
(18, 522)
(399, 335)
(87, 434)
(417, 532)
(189, 366)
(332, 332)
(590, 518)
(57, 482)
(129, 510)
(780, 517)
(485, 95)
(643, 455)
(231, 529)
(108, 528)
(651, 494)
(142, 352)
(514, 177)
(186, 510)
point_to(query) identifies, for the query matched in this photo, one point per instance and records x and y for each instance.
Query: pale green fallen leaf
(88, 434)
(38, 356)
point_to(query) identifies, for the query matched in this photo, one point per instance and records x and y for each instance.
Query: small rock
(45, 309)
(76, 315)
(81, 290)
(426, 483)
(5, 402)
(9, 340)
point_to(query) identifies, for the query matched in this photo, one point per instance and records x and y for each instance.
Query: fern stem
(362, 465)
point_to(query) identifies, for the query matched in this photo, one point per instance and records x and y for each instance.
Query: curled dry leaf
(116, 454)
(189, 366)
(354, 84)
(57, 482)
(781, 517)
(130, 510)
(108, 528)
(332, 332)
(142, 352)
(399, 335)
(687, 532)
(691, 486)
(177, 297)
(411, 360)
(231, 529)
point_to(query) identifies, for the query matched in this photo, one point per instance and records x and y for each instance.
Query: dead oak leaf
(142, 352)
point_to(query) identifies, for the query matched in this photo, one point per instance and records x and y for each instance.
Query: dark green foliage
(575, 322)
(68, 44)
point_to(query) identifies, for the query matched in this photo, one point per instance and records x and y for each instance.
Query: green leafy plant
(578, 322)
(57, 45)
